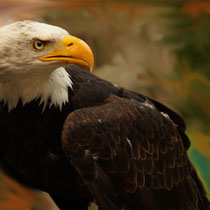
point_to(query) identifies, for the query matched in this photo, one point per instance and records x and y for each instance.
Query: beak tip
(91, 62)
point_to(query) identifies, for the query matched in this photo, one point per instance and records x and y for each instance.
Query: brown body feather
(107, 144)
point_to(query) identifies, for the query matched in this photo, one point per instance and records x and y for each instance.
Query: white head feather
(22, 75)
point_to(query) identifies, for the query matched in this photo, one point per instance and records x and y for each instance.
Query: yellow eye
(38, 44)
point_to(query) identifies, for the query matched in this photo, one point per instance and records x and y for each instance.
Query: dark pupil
(39, 44)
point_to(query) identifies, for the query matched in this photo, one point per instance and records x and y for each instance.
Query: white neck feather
(53, 87)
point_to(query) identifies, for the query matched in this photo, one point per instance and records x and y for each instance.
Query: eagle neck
(53, 87)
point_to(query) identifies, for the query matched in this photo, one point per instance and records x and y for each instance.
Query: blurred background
(154, 47)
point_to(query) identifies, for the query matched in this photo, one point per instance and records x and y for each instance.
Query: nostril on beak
(69, 45)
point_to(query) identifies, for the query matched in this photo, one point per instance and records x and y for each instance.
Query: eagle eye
(38, 44)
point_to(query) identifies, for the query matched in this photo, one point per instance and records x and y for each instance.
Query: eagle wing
(131, 156)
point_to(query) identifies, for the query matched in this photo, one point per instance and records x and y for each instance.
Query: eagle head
(31, 54)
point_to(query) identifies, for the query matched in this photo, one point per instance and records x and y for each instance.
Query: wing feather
(125, 149)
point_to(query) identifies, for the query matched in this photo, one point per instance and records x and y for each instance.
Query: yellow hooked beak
(72, 50)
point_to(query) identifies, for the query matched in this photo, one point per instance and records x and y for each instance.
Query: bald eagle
(82, 139)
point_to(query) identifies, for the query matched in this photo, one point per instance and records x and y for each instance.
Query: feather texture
(107, 144)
